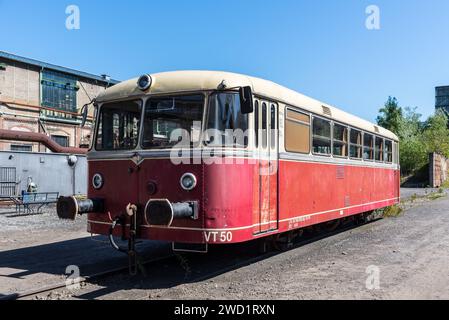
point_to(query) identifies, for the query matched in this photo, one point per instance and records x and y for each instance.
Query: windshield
(226, 125)
(118, 127)
(173, 121)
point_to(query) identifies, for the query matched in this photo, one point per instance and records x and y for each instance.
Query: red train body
(260, 188)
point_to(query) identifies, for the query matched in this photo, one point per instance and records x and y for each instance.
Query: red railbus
(198, 158)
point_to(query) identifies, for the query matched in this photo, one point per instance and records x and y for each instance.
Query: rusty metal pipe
(38, 138)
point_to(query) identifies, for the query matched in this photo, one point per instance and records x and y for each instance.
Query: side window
(396, 151)
(297, 132)
(273, 127)
(321, 136)
(379, 149)
(256, 123)
(264, 126)
(388, 154)
(340, 143)
(355, 150)
(368, 146)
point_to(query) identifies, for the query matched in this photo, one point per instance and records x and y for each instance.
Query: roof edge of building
(81, 74)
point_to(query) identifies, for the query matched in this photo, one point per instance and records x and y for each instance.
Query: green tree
(413, 154)
(435, 135)
(391, 115)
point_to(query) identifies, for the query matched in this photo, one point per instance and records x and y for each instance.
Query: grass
(393, 211)
(436, 195)
(397, 210)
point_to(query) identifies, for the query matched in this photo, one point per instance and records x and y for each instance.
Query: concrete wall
(51, 172)
(438, 170)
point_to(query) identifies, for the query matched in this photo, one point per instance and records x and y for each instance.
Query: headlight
(144, 82)
(188, 181)
(97, 181)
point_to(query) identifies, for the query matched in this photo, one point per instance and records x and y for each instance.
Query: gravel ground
(409, 253)
(35, 250)
(407, 193)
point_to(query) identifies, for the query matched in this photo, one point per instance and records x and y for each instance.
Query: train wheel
(331, 226)
(264, 245)
(284, 242)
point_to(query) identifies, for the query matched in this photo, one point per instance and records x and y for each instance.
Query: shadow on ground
(95, 257)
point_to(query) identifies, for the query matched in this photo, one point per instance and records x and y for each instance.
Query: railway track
(302, 241)
(82, 280)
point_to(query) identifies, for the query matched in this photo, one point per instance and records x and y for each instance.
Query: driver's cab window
(173, 121)
(226, 125)
(119, 125)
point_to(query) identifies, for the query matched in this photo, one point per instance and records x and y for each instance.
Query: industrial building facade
(442, 98)
(39, 97)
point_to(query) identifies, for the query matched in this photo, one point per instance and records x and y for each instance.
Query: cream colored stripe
(254, 225)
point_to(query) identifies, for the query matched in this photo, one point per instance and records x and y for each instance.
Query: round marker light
(188, 181)
(97, 181)
(144, 82)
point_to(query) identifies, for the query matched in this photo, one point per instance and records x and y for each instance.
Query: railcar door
(265, 217)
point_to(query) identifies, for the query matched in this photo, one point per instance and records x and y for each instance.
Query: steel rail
(102, 274)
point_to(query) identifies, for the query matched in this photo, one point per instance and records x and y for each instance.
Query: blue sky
(320, 48)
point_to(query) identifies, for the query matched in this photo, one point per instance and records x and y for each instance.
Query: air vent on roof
(376, 129)
(327, 111)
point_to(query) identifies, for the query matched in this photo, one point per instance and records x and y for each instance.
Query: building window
(22, 147)
(321, 136)
(63, 141)
(297, 132)
(59, 91)
(340, 141)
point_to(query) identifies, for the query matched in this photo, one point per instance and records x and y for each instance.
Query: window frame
(274, 124)
(370, 148)
(356, 145)
(348, 137)
(98, 121)
(265, 107)
(307, 124)
(28, 146)
(48, 76)
(256, 123)
(329, 155)
(53, 136)
(204, 115)
(208, 95)
(381, 151)
(387, 154)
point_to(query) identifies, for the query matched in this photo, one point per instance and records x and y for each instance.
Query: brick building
(39, 97)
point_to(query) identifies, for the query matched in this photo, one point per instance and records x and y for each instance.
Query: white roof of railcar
(188, 81)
